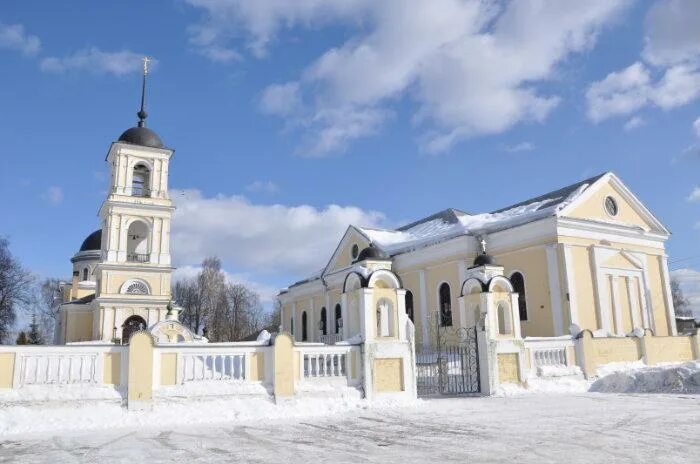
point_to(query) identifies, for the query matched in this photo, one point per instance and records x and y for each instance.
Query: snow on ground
(575, 428)
(564, 418)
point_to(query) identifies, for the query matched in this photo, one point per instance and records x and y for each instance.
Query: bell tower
(133, 276)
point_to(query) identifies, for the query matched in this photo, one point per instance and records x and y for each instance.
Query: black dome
(370, 253)
(141, 136)
(92, 242)
(484, 259)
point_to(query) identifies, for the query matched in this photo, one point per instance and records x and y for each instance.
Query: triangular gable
(631, 211)
(342, 256)
(620, 261)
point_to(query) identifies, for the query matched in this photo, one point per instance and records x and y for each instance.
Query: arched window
(338, 318)
(409, 304)
(140, 181)
(324, 324)
(137, 242)
(304, 327)
(291, 325)
(85, 274)
(519, 287)
(131, 325)
(137, 287)
(445, 305)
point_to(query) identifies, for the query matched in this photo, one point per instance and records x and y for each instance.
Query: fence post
(284, 366)
(140, 384)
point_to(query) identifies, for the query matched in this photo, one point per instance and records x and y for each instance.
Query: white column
(462, 270)
(344, 315)
(617, 308)
(632, 284)
(295, 318)
(311, 321)
(601, 290)
(668, 298)
(424, 306)
(328, 313)
(571, 284)
(555, 289)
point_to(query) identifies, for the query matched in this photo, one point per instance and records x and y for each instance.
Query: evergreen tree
(34, 337)
(22, 338)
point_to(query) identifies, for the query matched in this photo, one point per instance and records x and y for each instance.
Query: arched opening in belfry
(141, 181)
(137, 242)
(132, 325)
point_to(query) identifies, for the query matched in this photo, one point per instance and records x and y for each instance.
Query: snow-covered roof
(452, 223)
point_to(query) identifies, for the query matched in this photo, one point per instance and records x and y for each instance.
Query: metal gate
(450, 366)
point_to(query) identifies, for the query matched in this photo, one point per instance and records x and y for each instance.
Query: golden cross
(146, 60)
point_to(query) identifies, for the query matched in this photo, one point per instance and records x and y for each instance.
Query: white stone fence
(64, 365)
(180, 364)
(549, 352)
(318, 362)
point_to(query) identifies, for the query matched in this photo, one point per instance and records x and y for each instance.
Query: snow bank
(683, 378)
(43, 393)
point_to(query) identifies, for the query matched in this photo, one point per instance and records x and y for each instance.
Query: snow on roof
(453, 223)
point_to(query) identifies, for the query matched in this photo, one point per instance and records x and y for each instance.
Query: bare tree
(229, 311)
(15, 288)
(46, 306)
(680, 303)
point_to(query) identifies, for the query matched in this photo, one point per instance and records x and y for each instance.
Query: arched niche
(383, 278)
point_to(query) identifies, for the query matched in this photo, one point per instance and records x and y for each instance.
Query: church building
(122, 272)
(587, 256)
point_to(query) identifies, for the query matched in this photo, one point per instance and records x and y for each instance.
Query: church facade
(122, 273)
(587, 256)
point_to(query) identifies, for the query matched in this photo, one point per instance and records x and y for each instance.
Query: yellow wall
(388, 375)
(508, 371)
(345, 256)
(668, 349)
(411, 281)
(168, 368)
(257, 367)
(594, 208)
(112, 368)
(532, 263)
(657, 295)
(286, 365)
(78, 326)
(448, 272)
(140, 367)
(7, 369)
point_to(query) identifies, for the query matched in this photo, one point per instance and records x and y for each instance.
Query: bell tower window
(137, 243)
(140, 182)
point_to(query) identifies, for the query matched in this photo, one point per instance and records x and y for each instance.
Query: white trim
(617, 307)
(379, 274)
(633, 297)
(554, 289)
(600, 289)
(424, 306)
(668, 297)
(570, 284)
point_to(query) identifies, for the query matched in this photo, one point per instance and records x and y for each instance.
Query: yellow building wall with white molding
(532, 262)
(594, 208)
(78, 326)
(7, 369)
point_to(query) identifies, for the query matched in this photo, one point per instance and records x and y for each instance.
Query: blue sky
(292, 119)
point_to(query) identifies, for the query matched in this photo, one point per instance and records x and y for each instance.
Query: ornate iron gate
(450, 366)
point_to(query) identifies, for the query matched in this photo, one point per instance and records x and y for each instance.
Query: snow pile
(264, 336)
(176, 413)
(545, 385)
(44, 393)
(212, 388)
(683, 378)
(558, 371)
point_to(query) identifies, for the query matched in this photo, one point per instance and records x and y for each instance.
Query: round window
(611, 206)
(355, 251)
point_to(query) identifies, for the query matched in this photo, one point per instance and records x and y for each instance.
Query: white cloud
(518, 147)
(272, 239)
(260, 186)
(282, 99)
(14, 37)
(54, 195)
(694, 195)
(96, 61)
(696, 127)
(671, 75)
(471, 67)
(689, 280)
(634, 123)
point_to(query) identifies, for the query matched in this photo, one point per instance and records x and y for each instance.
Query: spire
(142, 112)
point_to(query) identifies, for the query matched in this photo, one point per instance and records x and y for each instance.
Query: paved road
(585, 428)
